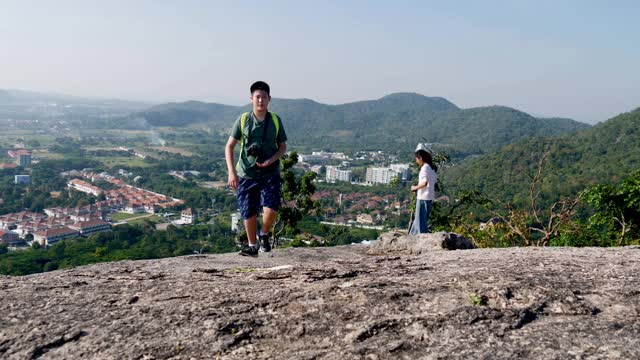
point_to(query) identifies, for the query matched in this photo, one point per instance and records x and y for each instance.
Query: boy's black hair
(260, 85)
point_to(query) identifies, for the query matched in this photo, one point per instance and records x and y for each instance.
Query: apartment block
(335, 174)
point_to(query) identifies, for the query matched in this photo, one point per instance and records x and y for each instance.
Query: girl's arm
(419, 186)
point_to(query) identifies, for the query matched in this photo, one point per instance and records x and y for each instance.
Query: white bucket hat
(421, 146)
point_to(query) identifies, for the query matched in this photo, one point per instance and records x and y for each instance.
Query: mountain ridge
(13, 97)
(394, 121)
(605, 153)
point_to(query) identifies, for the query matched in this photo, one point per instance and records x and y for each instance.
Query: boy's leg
(249, 205)
(251, 226)
(270, 201)
(268, 218)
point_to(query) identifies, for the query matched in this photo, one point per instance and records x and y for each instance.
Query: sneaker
(265, 243)
(248, 250)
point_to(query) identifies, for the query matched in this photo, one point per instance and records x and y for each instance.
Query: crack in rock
(41, 350)
(370, 330)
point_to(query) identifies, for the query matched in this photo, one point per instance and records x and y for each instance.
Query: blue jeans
(421, 218)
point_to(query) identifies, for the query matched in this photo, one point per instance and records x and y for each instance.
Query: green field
(10, 136)
(47, 155)
(154, 219)
(123, 216)
(114, 161)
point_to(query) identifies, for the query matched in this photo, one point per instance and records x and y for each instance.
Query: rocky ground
(333, 303)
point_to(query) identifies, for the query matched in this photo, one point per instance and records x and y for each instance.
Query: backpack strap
(276, 122)
(243, 121)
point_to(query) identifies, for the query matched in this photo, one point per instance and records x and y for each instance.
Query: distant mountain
(182, 114)
(5, 97)
(30, 98)
(604, 153)
(393, 122)
(399, 102)
(79, 112)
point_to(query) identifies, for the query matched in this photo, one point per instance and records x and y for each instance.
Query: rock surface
(401, 243)
(332, 303)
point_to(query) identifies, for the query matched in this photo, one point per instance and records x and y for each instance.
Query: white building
(403, 170)
(313, 158)
(133, 208)
(188, 216)
(52, 236)
(22, 179)
(84, 186)
(364, 219)
(316, 169)
(235, 221)
(89, 227)
(381, 175)
(321, 156)
(335, 174)
(332, 155)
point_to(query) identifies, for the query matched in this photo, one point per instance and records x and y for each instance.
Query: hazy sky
(577, 59)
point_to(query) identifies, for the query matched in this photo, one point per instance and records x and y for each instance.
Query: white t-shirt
(429, 176)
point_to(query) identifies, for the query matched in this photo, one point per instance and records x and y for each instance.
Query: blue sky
(575, 59)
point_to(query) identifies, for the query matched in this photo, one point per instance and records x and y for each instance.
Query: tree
(296, 197)
(617, 208)
(535, 225)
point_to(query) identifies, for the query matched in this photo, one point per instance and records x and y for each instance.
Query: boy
(256, 176)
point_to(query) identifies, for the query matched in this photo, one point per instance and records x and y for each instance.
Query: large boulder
(332, 303)
(397, 242)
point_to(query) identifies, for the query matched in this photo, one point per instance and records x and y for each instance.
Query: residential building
(364, 219)
(8, 166)
(134, 208)
(86, 228)
(9, 237)
(313, 158)
(335, 174)
(235, 221)
(84, 186)
(52, 236)
(316, 169)
(24, 158)
(321, 156)
(22, 179)
(21, 157)
(380, 175)
(188, 216)
(403, 171)
(8, 221)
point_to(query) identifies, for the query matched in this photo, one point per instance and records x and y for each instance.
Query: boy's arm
(228, 155)
(282, 148)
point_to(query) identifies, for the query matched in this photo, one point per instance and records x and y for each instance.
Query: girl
(425, 191)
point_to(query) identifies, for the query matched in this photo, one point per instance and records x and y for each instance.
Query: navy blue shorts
(254, 194)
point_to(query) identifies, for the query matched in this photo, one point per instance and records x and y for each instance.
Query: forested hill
(180, 115)
(396, 121)
(605, 153)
